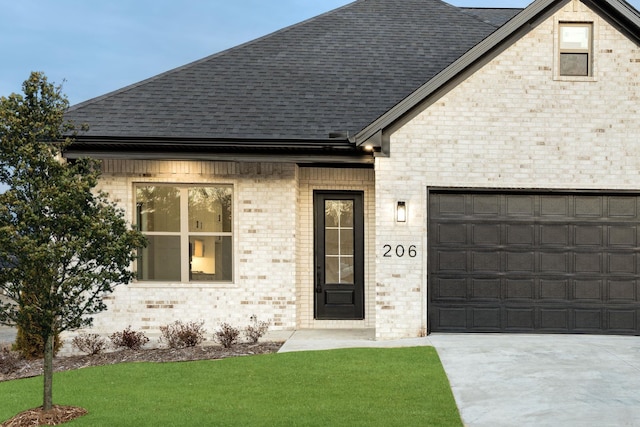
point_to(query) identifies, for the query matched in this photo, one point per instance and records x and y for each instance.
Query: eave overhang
(330, 151)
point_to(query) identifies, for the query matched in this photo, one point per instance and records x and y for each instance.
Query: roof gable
(617, 12)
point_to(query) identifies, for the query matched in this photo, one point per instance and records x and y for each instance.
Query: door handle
(318, 282)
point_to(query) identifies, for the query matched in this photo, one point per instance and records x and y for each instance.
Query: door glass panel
(210, 209)
(339, 247)
(158, 208)
(331, 242)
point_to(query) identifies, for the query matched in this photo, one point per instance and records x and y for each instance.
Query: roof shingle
(335, 72)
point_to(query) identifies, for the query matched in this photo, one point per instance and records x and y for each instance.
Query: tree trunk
(47, 401)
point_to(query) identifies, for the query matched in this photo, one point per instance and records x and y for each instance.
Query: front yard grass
(349, 387)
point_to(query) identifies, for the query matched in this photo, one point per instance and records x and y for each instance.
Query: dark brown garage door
(534, 262)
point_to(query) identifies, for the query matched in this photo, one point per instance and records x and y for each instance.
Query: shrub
(132, 340)
(227, 335)
(256, 329)
(8, 360)
(31, 345)
(89, 343)
(181, 335)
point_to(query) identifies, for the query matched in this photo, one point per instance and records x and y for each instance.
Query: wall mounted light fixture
(401, 212)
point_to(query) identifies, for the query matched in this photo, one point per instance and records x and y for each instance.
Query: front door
(339, 255)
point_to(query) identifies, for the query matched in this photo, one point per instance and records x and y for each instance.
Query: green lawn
(350, 387)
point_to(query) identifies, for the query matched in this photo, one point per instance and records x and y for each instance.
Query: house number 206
(400, 251)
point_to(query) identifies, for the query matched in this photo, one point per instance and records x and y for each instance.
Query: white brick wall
(333, 179)
(510, 125)
(264, 249)
(273, 247)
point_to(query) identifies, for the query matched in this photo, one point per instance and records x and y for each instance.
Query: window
(189, 230)
(575, 43)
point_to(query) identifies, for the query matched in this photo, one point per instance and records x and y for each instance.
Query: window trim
(185, 234)
(591, 64)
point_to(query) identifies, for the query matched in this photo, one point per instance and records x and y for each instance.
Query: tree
(64, 245)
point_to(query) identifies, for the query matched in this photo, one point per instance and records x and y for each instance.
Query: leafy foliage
(182, 335)
(128, 338)
(31, 345)
(90, 344)
(256, 329)
(227, 335)
(63, 246)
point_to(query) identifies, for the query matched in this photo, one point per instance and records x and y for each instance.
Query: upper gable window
(576, 47)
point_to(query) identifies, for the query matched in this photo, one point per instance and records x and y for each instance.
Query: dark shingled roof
(337, 72)
(495, 17)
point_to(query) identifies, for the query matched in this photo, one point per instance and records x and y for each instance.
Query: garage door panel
(450, 289)
(451, 234)
(588, 290)
(588, 206)
(485, 289)
(554, 262)
(554, 319)
(526, 262)
(588, 320)
(449, 261)
(485, 205)
(520, 262)
(624, 236)
(622, 320)
(622, 291)
(519, 319)
(486, 319)
(520, 205)
(486, 234)
(485, 261)
(554, 290)
(521, 234)
(622, 263)
(588, 235)
(554, 206)
(518, 289)
(450, 318)
(449, 204)
(623, 207)
(587, 262)
(554, 235)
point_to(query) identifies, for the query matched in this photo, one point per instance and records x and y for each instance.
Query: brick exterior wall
(512, 124)
(311, 179)
(264, 254)
(273, 247)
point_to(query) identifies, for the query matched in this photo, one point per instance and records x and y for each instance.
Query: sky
(95, 47)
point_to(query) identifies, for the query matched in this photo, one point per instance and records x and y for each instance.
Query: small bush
(182, 335)
(132, 340)
(256, 329)
(8, 360)
(227, 335)
(89, 343)
(31, 345)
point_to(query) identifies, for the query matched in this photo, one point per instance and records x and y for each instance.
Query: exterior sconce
(401, 212)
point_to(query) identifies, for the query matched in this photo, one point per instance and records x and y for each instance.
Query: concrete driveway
(543, 380)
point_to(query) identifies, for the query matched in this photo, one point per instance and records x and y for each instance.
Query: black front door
(339, 255)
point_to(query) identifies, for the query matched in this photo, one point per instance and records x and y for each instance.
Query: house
(399, 165)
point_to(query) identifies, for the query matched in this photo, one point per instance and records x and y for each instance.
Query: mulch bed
(62, 414)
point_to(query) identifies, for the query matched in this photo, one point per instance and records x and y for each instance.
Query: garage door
(533, 262)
